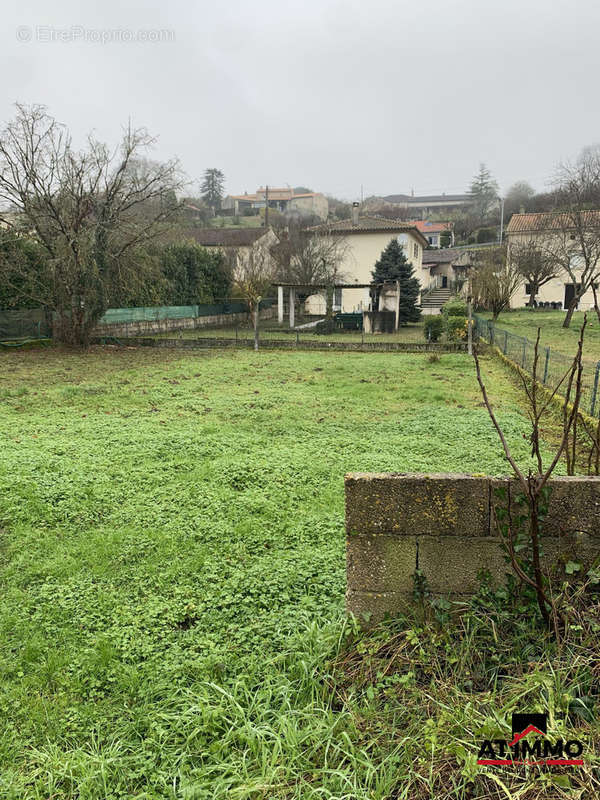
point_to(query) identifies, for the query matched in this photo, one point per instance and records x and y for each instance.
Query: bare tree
(307, 257)
(518, 199)
(573, 241)
(253, 274)
(533, 484)
(494, 280)
(533, 265)
(92, 211)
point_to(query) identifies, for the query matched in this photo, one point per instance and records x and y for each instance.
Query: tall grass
(172, 578)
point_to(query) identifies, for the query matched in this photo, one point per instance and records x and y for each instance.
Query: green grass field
(553, 335)
(172, 565)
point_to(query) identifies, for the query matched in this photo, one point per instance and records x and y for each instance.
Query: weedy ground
(172, 577)
(553, 335)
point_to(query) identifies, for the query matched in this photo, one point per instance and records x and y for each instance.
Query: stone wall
(445, 526)
(290, 342)
(146, 327)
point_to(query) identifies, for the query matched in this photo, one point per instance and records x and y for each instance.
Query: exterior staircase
(433, 300)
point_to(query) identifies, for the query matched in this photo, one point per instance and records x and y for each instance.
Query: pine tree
(484, 191)
(394, 266)
(213, 181)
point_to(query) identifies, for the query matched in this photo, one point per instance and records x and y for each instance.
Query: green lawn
(553, 335)
(172, 562)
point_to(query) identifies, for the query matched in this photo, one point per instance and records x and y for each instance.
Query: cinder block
(371, 607)
(445, 525)
(573, 505)
(451, 564)
(417, 505)
(580, 547)
(380, 563)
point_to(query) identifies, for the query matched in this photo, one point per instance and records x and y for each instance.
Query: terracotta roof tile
(431, 227)
(370, 225)
(546, 221)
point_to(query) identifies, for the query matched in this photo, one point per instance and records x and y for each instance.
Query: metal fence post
(595, 389)
(545, 378)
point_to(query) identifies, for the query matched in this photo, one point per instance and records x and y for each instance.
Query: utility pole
(361, 194)
(266, 206)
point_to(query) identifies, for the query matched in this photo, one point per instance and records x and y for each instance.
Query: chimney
(355, 207)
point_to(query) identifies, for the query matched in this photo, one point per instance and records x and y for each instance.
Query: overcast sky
(331, 95)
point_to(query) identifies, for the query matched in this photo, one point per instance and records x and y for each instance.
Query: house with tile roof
(549, 230)
(446, 272)
(285, 200)
(433, 231)
(241, 241)
(366, 238)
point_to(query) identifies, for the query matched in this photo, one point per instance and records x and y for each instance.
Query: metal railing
(552, 364)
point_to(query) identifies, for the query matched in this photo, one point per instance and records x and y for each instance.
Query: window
(402, 240)
(576, 260)
(337, 298)
(527, 288)
(415, 250)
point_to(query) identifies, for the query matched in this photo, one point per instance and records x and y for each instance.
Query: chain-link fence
(552, 365)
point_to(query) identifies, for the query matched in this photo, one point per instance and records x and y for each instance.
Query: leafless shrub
(534, 483)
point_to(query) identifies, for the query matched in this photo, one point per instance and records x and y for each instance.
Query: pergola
(324, 287)
(319, 287)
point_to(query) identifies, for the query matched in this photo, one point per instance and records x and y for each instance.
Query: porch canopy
(320, 287)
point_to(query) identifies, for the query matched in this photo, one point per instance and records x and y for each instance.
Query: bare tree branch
(90, 210)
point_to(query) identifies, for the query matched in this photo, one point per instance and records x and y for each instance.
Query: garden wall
(445, 526)
(293, 342)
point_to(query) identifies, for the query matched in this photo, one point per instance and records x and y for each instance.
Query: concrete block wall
(288, 343)
(444, 525)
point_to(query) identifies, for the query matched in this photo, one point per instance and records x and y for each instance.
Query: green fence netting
(35, 323)
(25, 323)
(552, 364)
(154, 313)
(146, 314)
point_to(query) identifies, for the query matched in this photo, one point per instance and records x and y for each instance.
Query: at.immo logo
(530, 745)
